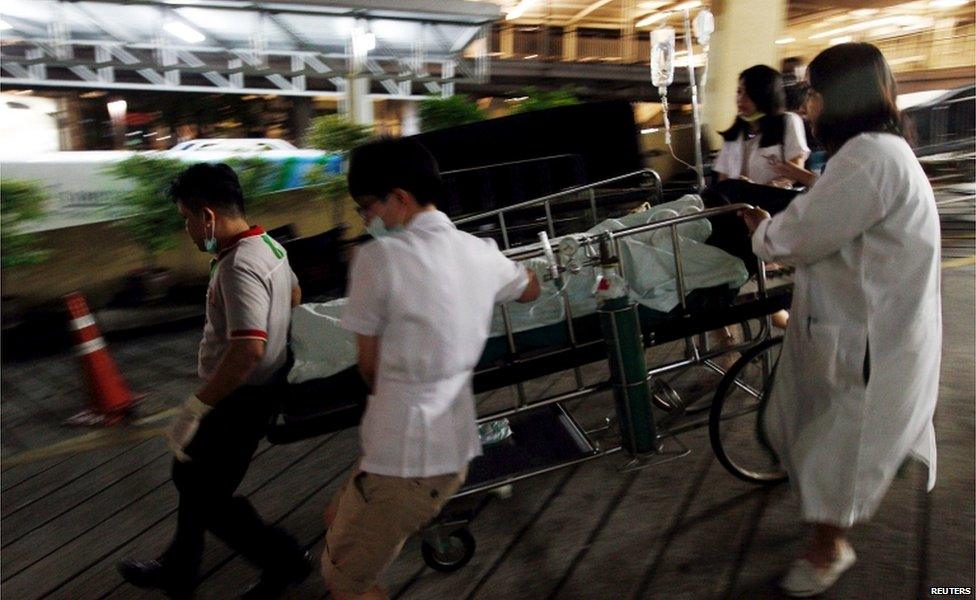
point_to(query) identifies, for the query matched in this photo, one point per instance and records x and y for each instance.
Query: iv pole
(705, 26)
(695, 112)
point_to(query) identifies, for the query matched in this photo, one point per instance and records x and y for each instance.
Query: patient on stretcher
(321, 348)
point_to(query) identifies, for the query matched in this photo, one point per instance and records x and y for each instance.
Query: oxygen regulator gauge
(568, 247)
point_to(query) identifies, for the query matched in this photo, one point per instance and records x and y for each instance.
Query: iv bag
(662, 57)
(704, 26)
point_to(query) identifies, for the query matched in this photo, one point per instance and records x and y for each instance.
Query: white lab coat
(865, 242)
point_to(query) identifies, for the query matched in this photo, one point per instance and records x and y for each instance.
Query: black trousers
(221, 452)
(729, 232)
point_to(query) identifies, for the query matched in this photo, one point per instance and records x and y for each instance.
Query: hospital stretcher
(546, 435)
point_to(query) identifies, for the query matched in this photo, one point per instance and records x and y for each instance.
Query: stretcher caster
(735, 424)
(448, 553)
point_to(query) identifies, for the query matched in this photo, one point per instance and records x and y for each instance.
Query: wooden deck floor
(684, 529)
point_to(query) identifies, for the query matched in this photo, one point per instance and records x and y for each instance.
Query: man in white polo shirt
(217, 429)
(421, 298)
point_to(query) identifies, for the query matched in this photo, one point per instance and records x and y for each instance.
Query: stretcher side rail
(545, 362)
(589, 241)
(548, 200)
(485, 187)
(576, 158)
(347, 395)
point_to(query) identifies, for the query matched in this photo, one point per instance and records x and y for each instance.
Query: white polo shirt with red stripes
(249, 296)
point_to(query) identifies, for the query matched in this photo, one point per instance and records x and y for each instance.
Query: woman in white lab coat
(858, 377)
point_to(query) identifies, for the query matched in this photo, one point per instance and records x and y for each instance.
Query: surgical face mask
(210, 243)
(377, 228)
(753, 117)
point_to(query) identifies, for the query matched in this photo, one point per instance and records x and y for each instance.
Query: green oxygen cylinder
(620, 322)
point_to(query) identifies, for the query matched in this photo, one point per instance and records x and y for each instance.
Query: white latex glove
(184, 426)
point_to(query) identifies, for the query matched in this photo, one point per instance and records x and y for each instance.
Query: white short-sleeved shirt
(249, 296)
(428, 292)
(729, 160)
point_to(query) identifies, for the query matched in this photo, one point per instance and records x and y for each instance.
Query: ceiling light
(865, 25)
(905, 60)
(116, 110)
(363, 42)
(786, 40)
(4, 26)
(946, 3)
(184, 32)
(519, 9)
(841, 40)
(202, 17)
(652, 19)
(864, 12)
(884, 31)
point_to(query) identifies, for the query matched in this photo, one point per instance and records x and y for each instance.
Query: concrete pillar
(69, 122)
(628, 34)
(301, 116)
(410, 119)
(744, 34)
(506, 43)
(361, 104)
(569, 44)
(447, 74)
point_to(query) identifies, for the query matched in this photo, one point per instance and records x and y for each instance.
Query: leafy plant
(543, 99)
(333, 186)
(257, 178)
(150, 216)
(336, 133)
(437, 112)
(21, 202)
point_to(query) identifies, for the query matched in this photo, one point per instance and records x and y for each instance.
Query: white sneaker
(804, 580)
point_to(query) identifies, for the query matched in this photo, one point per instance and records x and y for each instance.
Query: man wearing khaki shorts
(421, 298)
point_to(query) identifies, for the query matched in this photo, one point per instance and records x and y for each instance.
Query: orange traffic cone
(109, 396)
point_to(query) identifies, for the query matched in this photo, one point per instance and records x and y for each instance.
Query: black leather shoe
(151, 574)
(275, 581)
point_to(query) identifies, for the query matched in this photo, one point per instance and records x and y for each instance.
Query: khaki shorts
(374, 516)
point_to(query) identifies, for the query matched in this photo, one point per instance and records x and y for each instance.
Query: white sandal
(804, 580)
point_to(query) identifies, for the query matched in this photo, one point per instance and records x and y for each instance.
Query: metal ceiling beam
(49, 58)
(100, 85)
(589, 9)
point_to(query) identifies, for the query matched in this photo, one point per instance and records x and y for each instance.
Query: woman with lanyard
(858, 376)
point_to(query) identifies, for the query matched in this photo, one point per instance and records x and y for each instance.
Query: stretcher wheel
(455, 551)
(735, 424)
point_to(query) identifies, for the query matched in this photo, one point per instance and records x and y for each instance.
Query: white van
(28, 125)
